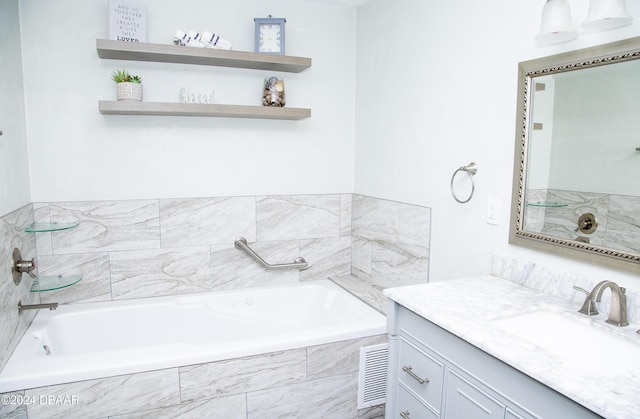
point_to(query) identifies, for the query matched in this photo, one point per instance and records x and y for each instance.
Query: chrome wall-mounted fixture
(23, 307)
(19, 266)
(471, 170)
(587, 223)
(299, 263)
(556, 24)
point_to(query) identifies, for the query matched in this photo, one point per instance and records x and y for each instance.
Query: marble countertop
(466, 307)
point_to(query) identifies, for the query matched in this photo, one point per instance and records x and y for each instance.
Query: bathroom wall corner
(12, 235)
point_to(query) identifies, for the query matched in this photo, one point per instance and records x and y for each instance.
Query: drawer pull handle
(414, 376)
(404, 415)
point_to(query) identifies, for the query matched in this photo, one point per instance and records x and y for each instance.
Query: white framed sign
(127, 21)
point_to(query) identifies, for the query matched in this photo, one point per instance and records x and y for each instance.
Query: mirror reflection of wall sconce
(556, 24)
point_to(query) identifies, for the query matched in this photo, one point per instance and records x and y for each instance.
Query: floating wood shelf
(193, 109)
(142, 51)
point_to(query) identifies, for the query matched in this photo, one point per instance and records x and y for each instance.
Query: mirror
(14, 164)
(576, 187)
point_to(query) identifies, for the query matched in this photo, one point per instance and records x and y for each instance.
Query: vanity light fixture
(556, 25)
(605, 15)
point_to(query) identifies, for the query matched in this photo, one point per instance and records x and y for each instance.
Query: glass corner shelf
(49, 227)
(52, 283)
(547, 204)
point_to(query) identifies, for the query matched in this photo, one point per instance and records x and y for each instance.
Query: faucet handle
(589, 306)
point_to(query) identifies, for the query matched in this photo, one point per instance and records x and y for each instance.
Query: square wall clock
(270, 35)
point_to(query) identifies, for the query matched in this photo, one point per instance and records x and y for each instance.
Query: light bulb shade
(606, 14)
(556, 25)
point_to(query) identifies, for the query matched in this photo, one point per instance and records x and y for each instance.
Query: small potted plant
(129, 87)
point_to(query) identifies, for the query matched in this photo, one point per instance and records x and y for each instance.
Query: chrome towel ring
(471, 170)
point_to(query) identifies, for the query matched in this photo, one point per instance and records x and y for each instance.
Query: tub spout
(23, 307)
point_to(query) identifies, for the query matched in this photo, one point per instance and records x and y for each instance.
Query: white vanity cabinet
(435, 374)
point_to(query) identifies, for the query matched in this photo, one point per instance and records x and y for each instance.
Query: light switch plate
(493, 211)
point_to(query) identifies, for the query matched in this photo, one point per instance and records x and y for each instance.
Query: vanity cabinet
(435, 374)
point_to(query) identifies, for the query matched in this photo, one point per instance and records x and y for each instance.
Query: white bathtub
(94, 340)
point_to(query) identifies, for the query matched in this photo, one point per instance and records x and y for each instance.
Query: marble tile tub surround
(12, 235)
(320, 381)
(145, 248)
(391, 242)
(559, 283)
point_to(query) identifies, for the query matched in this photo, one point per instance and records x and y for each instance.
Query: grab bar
(299, 263)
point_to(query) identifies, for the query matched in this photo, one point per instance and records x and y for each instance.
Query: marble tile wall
(559, 283)
(618, 224)
(390, 242)
(314, 382)
(145, 248)
(12, 235)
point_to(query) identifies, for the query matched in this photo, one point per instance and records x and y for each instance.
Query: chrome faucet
(589, 306)
(23, 307)
(618, 311)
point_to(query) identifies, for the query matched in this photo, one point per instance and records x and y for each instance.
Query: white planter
(129, 91)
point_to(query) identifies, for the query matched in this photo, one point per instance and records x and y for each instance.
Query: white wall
(76, 153)
(14, 168)
(436, 89)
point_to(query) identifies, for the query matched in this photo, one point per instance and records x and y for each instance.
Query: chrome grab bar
(299, 263)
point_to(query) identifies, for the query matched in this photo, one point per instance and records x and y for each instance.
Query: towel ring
(471, 170)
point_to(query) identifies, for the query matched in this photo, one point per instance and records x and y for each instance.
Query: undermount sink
(581, 345)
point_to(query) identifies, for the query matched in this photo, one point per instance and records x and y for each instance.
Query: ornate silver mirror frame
(597, 56)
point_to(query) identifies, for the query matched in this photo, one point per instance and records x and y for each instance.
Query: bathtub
(94, 340)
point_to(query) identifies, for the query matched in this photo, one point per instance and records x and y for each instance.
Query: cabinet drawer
(416, 366)
(408, 407)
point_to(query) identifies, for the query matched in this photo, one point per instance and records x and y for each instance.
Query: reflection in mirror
(577, 169)
(14, 165)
